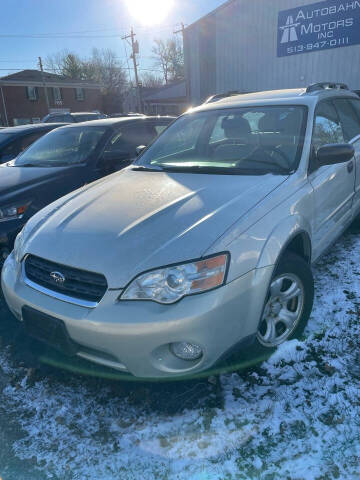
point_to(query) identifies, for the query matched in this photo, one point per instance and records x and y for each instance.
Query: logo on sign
(57, 277)
(318, 26)
(289, 31)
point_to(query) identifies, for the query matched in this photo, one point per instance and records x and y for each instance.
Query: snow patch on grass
(295, 416)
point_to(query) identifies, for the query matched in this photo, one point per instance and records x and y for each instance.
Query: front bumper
(134, 336)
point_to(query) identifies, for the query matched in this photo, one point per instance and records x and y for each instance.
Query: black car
(14, 140)
(66, 159)
(75, 117)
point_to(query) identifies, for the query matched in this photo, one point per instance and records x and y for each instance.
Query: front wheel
(288, 304)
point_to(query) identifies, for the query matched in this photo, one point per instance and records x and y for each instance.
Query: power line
(81, 34)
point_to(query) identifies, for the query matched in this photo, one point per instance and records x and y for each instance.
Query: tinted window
(20, 144)
(61, 146)
(127, 138)
(260, 139)
(349, 120)
(327, 128)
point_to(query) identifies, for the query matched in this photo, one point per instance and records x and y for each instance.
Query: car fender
(280, 238)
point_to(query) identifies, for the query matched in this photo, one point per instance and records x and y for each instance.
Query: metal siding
(246, 53)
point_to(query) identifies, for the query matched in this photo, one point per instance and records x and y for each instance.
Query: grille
(78, 283)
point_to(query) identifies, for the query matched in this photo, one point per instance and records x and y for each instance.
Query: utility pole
(182, 31)
(135, 51)
(44, 84)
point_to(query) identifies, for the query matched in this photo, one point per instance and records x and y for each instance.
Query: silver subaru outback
(204, 245)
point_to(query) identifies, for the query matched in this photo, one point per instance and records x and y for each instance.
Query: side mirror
(139, 149)
(334, 153)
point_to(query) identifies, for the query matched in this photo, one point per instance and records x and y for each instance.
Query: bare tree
(102, 67)
(150, 80)
(169, 56)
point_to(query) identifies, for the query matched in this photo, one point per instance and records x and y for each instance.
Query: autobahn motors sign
(319, 26)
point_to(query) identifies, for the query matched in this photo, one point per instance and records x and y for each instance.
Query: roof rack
(326, 86)
(219, 96)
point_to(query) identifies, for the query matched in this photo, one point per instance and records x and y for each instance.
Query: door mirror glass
(139, 149)
(332, 154)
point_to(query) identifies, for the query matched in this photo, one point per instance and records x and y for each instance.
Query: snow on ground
(295, 416)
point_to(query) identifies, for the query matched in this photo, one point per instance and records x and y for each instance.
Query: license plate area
(49, 330)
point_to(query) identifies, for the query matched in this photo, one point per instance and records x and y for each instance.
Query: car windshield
(248, 140)
(63, 146)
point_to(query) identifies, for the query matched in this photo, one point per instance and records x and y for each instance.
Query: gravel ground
(293, 416)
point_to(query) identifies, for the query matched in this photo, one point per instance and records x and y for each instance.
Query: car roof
(109, 122)
(55, 114)
(301, 96)
(31, 127)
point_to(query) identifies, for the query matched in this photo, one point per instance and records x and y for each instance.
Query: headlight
(170, 284)
(13, 212)
(19, 246)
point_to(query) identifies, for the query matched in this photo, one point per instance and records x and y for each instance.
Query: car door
(354, 133)
(333, 184)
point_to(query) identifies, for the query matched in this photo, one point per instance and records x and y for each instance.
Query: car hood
(14, 179)
(134, 221)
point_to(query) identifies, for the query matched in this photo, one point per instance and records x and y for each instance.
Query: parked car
(201, 247)
(14, 140)
(64, 160)
(72, 117)
(130, 114)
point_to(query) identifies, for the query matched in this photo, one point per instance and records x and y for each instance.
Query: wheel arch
(291, 235)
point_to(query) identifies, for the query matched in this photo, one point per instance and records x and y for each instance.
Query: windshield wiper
(143, 168)
(27, 165)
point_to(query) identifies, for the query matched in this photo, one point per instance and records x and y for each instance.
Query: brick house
(23, 99)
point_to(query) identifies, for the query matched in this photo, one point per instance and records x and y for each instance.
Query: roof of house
(172, 91)
(36, 77)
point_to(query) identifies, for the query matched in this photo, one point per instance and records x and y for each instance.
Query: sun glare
(149, 12)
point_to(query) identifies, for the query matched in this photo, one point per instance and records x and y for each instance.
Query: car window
(29, 139)
(20, 144)
(159, 128)
(327, 128)
(356, 106)
(183, 139)
(232, 140)
(349, 120)
(63, 146)
(126, 139)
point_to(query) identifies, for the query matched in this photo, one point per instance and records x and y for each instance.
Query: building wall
(18, 106)
(235, 48)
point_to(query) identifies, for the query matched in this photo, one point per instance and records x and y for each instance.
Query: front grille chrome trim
(57, 295)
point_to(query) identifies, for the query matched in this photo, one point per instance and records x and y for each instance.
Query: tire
(288, 303)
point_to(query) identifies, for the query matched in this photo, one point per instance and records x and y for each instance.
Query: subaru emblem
(57, 277)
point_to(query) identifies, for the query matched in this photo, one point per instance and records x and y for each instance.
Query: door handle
(350, 166)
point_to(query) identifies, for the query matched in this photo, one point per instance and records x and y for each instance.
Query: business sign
(319, 26)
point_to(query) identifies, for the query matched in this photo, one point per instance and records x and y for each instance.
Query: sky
(33, 28)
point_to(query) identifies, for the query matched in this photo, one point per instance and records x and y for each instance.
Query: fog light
(186, 351)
